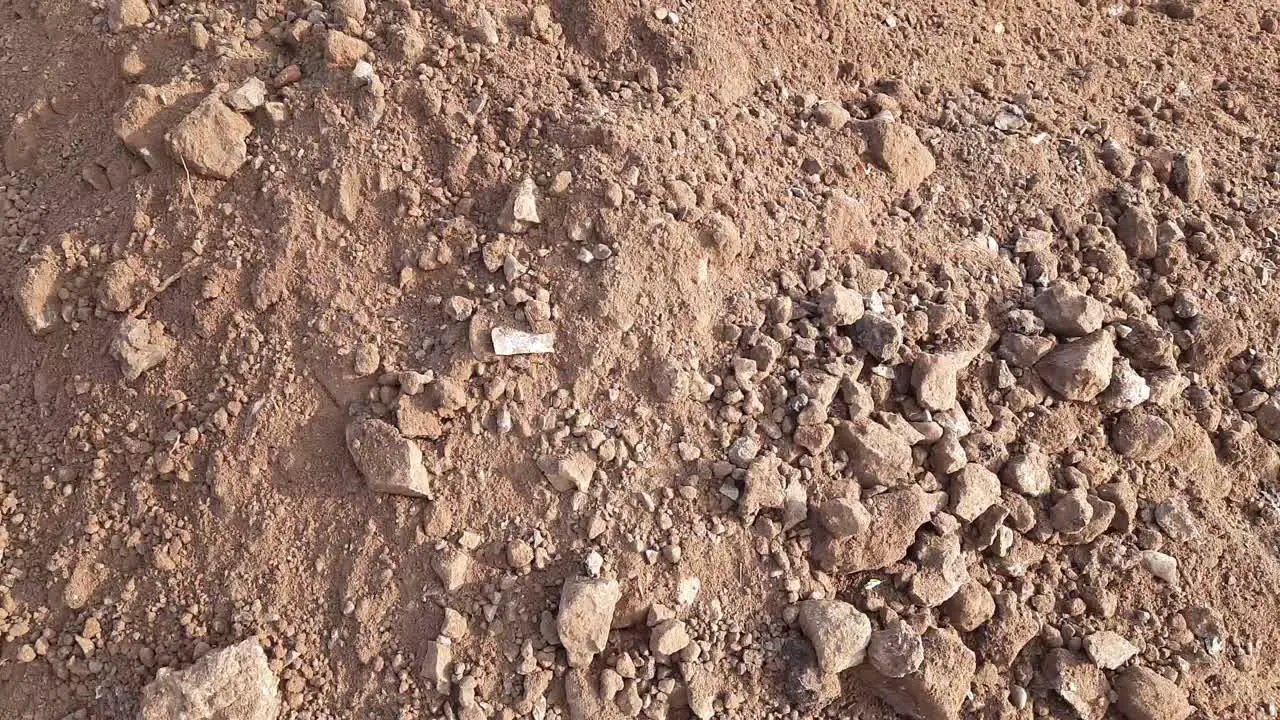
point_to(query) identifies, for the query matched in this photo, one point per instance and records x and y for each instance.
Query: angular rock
(877, 455)
(140, 345)
(970, 607)
(762, 487)
(1028, 473)
(807, 687)
(585, 616)
(35, 291)
(1143, 694)
(521, 209)
(1109, 650)
(934, 379)
(1268, 418)
(343, 50)
(669, 637)
(251, 95)
(452, 566)
(1136, 230)
(895, 517)
(838, 632)
(878, 335)
(233, 682)
(1072, 512)
(972, 491)
(416, 419)
(436, 661)
(937, 690)
(844, 516)
(1069, 312)
(568, 472)
(1007, 633)
(1080, 370)
(210, 140)
(389, 462)
(127, 14)
(1187, 176)
(897, 149)
(942, 570)
(895, 650)
(1176, 521)
(1078, 682)
(840, 305)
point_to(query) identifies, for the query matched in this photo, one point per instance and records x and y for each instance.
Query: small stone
(1161, 565)
(1028, 473)
(1080, 370)
(840, 306)
(1072, 512)
(234, 682)
(1109, 650)
(762, 487)
(568, 472)
(1176, 520)
(140, 346)
(973, 490)
(436, 661)
(942, 570)
(1136, 230)
(367, 360)
(251, 95)
(970, 607)
(510, 341)
(454, 625)
(210, 140)
(743, 451)
(1143, 694)
(453, 566)
(831, 115)
(895, 650)
(585, 616)
(1069, 312)
(343, 50)
(521, 209)
(838, 632)
(1187, 176)
(388, 461)
(897, 149)
(350, 13)
(878, 335)
(35, 290)
(1141, 436)
(935, 377)
(1078, 682)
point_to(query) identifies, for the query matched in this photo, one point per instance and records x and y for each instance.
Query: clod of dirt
(970, 607)
(35, 290)
(838, 632)
(879, 455)
(1080, 370)
(210, 140)
(1143, 694)
(342, 50)
(234, 682)
(389, 462)
(1141, 436)
(585, 616)
(140, 345)
(572, 471)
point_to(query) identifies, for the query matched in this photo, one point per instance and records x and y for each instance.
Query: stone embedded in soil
(1072, 512)
(521, 209)
(1143, 694)
(1176, 521)
(1187, 176)
(1161, 565)
(389, 462)
(1109, 649)
(1136, 230)
(937, 690)
(844, 516)
(249, 96)
(210, 140)
(233, 682)
(127, 14)
(140, 345)
(804, 682)
(838, 632)
(343, 50)
(762, 487)
(1007, 633)
(570, 471)
(436, 660)
(1069, 312)
(895, 650)
(585, 616)
(121, 285)
(1028, 472)
(669, 637)
(934, 379)
(1080, 683)
(510, 341)
(1080, 370)
(1141, 436)
(972, 491)
(897, 149)
(877, 455)
(942, 570)
(970, 607)
(35, 291)
(895, 517)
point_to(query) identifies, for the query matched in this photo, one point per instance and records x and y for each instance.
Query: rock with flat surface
(585, 616)
(972, 491)
(1141, 436)
(1080, 370)
(389, 462)
(877, 455)
(1067, 311)
(1144, 694)
(568, 472)
(210, 140)
(937, 690)
(942, 570)
(233, 683)
(895, 517)
(838, 632)
(1108, 649)
(140, 345)
(521, 210)
(934, 378)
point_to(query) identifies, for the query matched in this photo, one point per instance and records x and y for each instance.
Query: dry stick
(191, 189)
(164, 285)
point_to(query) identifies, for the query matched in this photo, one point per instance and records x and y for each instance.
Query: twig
(191, 189)
(164, 285)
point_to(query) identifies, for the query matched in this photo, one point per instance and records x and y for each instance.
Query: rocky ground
(595, 359)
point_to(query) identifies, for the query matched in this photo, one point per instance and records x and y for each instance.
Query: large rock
(1080, 370)
(35, 291)
(234, 683)
(1143, 694)
(935, 377)
(895, 517)
(1067, 311)
(938, 689)
(140, 345)
(838, 632)
(1141, 436)
(389, 462)
(210, 141)
(585, 616)
(877, 455)
(942, 570)
(897, 149)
